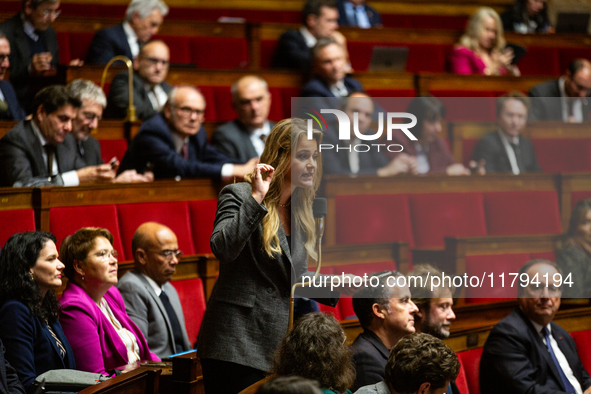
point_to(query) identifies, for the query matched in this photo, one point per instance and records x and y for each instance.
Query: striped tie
(59, 344)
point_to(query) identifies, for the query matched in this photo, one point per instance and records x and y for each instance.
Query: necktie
(174, 323)
(518, 156)
(158, 105)
(50, 150)
(570, 105)
(567, 385)
(185, 151)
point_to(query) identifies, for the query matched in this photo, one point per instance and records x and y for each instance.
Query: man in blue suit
(142, 20)
(173, 144)
(357, 13)
(330, 66)
(10, 109)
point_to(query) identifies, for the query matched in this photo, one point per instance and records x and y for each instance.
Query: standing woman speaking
(263, 235)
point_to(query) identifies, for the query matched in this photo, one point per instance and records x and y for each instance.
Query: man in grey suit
(244, 138)
(151, 302)
(41, 151)
(150, 90)
(565, 98)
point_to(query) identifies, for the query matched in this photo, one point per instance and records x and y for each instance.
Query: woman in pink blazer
(101, 334)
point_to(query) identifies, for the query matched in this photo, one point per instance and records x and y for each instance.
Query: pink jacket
(463, 61)
(95, 342)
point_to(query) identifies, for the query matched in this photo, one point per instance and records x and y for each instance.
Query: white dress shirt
(507, 141)
(134, 45)
(577, 104)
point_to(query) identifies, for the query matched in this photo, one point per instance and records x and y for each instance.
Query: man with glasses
(566, 98)
(10, 108)
(526, 352)
(150, 90)
(173, 144)
(150, 300)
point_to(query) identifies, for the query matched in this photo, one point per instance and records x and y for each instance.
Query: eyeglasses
(154, 61)
(2, 58)
(169, 253)
(48, 13)
(91, 116)
(106, 254)
(186, 111)
(538, 291)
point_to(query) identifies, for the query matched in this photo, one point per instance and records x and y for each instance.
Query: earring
(82, 278)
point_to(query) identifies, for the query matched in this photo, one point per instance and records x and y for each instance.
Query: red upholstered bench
(20, 220)
(79, 44)
(563, 155)
(112, 148)
(64, 221)
(202, 219)
(63, 43)
(470, 360)
(578, 196)
(206, 52)
(583, 343)
(174, 214)
(192, 299)
(540, 61)
(180, 48)
(461, 381)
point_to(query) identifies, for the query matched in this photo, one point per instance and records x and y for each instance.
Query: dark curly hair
(316, 349)
(421, 358)
(19, 255)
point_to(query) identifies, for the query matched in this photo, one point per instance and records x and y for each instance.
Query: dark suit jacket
(92, 152)
(491, 148)
(21, 57)
(9, 382)
(14, 112)
(438, 155)
(372, 15)
(318, 88)
(516, 361)
(30, 348)
(292, 52)
(546, 103)
(108, 43)
(21, 156)
(154, 144)
(233, 140)
(118, 100)
(370, 356)
(247, 313)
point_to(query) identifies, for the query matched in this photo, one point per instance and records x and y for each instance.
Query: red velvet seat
(467, 150)
(583, 343)
(287, 94)
(267, 53)
(438, 215)
(210, 103)
(20, 220)
(63, 43)
(563, 155)
(233, 55)
(180, 51)
(277, 112)
(79, 44)
(567, 55)
(522, 212)
(192, 297)
(470, 360)
(202, 218)
(540, 61)
(575, 197)
(496, 264)
(174, 214)
(113, 148)
(468, 109)
(461, 381)
(373, 218)
(64, 221)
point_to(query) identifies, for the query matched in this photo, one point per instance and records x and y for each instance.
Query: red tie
(185, 151)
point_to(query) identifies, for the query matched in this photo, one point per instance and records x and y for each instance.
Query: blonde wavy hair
(278, 153)
(475, 29)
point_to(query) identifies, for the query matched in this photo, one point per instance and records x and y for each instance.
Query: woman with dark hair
(263, 235)
(433, 155)
(30, 271)
(101, 333)
(574, 257)
(527, 16)
(317, 349)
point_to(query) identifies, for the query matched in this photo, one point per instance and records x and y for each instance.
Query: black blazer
(292, 52)
(318, 88)
(372, 15)
(247, 314)
(9, 383)
(21, 57)
(118, 100)
(546, 102)
(491, 148)
(30, 348)
(14, 112)
(154, 144)
(21, 156)
(108, 43)
(516, 361)
(370, 356)
(233, 140)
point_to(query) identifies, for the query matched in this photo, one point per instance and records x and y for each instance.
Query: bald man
(244, 138)
(151, 302)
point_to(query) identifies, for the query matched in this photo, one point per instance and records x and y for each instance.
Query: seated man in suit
(565, 98)
(150, 90)
(526, 352)
(330, 68)
(385, 313)
(142, 20)
(320, 19)
(151, 302)
(41, 151)
(372, 162)
(173, 144)
(244, 138)
(357, 13)
(506, 150)
(93, 101)
(418, 364)
(10, 109)
(9, 381)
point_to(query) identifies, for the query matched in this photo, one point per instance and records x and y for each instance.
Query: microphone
(319, 210)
